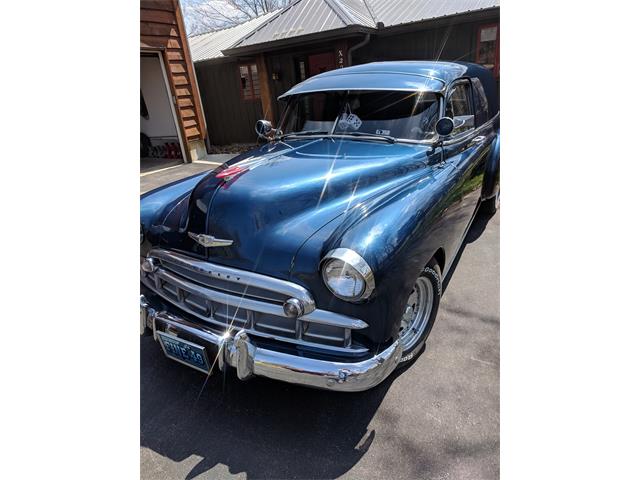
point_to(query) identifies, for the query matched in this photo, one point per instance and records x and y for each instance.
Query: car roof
(429, 76)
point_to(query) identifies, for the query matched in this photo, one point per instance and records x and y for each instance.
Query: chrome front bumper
(248, 359)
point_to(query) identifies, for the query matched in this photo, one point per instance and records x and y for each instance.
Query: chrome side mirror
(444, 126)
(264, 129)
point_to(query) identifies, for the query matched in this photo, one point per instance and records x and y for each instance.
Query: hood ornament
(209, 240)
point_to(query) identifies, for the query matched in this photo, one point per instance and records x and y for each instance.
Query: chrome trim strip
(317, 316)
(238, 276)
(464, 136)
(249, 360)
(353, 259)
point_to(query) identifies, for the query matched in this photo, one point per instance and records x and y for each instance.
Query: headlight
(347, 275)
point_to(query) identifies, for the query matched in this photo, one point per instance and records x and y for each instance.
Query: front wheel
(420, 313)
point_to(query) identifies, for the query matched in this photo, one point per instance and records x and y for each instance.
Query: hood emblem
(209, 240)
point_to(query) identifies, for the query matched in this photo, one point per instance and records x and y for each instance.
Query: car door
(466, 149)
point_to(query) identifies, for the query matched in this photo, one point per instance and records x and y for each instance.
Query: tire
(414, 332)
(491, 205)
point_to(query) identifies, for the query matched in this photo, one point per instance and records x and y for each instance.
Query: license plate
(184, 352)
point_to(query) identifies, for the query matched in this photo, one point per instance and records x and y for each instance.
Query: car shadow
(263, 428)
(478, 226)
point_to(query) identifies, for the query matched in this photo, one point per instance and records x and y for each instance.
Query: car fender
(165, 208)
(396, 234)
(492, 170)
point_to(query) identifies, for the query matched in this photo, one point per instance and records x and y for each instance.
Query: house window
(488, 50)
(249, 82)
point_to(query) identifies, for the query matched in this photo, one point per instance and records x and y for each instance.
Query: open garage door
(160, 142)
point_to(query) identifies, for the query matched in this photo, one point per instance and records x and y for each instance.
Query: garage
(172, 125)
(160, 142)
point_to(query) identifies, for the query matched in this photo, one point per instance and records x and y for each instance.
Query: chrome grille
(233, 299)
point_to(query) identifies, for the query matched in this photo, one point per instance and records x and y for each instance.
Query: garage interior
(160, 144)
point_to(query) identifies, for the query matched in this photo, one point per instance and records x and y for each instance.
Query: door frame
(171, 98)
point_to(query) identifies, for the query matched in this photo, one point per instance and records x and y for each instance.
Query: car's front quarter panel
(396, 234)
(164, 209)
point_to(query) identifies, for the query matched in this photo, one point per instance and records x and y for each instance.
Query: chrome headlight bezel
(357, 263)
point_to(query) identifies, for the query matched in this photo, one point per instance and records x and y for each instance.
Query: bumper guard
(248, 359)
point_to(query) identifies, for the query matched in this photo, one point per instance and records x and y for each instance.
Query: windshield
(401, 115)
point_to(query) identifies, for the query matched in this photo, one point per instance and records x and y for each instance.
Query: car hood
(278, 196)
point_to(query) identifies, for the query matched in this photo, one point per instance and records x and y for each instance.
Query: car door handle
(478, 139)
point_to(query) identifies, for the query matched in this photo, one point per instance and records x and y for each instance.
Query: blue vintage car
(318, 258)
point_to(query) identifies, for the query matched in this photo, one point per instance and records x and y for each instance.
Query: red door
(321, 62)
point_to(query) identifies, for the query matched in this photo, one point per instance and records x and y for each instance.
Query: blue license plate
(185, 352)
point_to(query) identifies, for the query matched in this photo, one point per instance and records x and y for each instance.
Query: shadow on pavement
(475, 231)
(263, 428)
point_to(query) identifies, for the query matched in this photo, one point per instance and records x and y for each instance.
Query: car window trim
(440, 98)
(462, 136)
(475, 88)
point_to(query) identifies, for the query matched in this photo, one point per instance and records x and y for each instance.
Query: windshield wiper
(387, 138)
(304, 133)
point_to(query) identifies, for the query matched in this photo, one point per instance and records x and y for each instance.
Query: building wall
(283, 64)
(456, 42)
(162, 29)
(234, 118)
(231, 119)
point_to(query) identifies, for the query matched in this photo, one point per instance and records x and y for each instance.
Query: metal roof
(210, 45)
(304, 17)
(359, 10)
(399, 12)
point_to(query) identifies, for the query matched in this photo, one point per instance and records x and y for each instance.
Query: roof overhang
(460, 17)
(337, 33)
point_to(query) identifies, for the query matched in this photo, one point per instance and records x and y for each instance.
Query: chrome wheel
(416, 314)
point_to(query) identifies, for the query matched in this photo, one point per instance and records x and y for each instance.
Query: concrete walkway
(156, 178)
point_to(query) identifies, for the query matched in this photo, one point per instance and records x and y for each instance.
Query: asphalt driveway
(437, 420)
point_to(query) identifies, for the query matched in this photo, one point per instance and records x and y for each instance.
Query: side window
(480, 101)
(459, 107)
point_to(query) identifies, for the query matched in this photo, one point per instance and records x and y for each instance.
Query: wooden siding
(162, 28)
(231, 119)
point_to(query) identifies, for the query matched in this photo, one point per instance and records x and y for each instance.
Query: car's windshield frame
(364, 135)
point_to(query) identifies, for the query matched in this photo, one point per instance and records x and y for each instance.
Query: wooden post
(266, 97)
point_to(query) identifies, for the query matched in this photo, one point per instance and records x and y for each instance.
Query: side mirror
(444, 126)
(264, 128)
